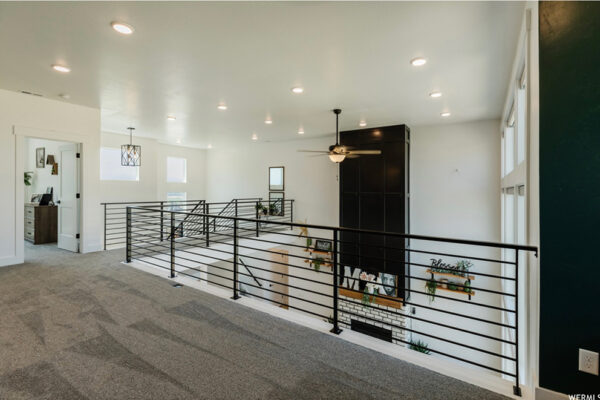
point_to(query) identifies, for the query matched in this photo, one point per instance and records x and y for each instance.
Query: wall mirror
(276, 178)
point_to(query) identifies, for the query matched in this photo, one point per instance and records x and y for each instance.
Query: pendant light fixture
(336, 157)
(131, 155)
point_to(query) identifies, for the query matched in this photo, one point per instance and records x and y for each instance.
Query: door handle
(57, 201)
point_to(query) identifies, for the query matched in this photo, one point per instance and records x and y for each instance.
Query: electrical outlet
(588, 361)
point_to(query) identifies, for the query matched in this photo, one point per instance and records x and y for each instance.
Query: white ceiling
(185, 58)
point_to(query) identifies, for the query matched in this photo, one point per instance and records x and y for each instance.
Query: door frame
(20, 133)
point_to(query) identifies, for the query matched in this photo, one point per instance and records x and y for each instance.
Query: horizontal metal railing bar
(150, 202)
(406, 289)
(407, 249)
(245, 283)
(351, 300)
(351, 313)
(327, 273)
(331, 285)
(432, 336)
(183, 273)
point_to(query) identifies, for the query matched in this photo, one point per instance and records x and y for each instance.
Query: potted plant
(308, 242)
(261, 208)
(273, 209)
(371, 287)
(430, 288)
(316, 262)
(463, 266)
(420, 346)
(28, 176)
(467, 287)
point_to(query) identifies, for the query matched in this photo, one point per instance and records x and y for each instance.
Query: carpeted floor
(87, 327)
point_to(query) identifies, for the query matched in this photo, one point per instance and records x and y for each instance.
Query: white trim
(547, 394)
(470, 375)
(21, 132)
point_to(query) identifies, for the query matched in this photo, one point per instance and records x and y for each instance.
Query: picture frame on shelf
(40, 157)
(323, 245)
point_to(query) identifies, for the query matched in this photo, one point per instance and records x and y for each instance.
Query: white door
(68, 198)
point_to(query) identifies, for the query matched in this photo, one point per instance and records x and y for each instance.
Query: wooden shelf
(378, 299)
(323, 263)
(311, 250)
(472, 293)
(468, 277)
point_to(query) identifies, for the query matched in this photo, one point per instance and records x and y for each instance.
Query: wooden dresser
(41, 223)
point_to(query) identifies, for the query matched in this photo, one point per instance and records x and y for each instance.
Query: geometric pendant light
(131, 156)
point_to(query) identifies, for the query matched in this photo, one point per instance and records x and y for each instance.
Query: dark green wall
(569, 192)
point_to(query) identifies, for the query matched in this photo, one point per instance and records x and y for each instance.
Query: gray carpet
(87, 327)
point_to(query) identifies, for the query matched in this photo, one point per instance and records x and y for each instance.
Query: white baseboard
(547, 394)
(445, 367)
(10, 260)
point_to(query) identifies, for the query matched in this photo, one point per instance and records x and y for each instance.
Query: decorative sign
(323, 245)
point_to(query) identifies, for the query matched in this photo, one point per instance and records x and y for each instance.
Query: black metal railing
(197, 217)
(454, 308)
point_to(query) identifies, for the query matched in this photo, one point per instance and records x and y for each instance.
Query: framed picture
(389, 284)
(323, 245)
(277, 203)
(276, 178)
(40, 157)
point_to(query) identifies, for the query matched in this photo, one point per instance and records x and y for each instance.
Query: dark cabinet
(374, 195)
(41, 223)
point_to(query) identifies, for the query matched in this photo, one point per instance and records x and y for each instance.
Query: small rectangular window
(111, 168)
(176, 170)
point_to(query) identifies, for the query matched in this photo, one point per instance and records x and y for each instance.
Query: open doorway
(51, 195)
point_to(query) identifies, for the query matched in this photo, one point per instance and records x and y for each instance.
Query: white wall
(41, 177)
(242, 171)
(455, 192)
(153, 183)
(29, 116)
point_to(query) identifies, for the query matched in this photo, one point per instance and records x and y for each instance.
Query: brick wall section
(377, 312)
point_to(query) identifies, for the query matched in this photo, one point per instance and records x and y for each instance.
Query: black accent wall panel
(374, 196)
(569, 52)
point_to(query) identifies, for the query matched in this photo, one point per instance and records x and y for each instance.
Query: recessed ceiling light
(178, 141)
(301, 131)
(419, 61)
(64, 96)
(445, 114)
(268, 121)
(297, 89)
(435, 95)
(254, 137)
(222, 106)
(362, 123)
(171, 118)
(61, 68)
(122, 28)
(209, 146)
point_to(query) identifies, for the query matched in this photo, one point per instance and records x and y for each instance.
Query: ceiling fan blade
(364, 152)
(313, 151)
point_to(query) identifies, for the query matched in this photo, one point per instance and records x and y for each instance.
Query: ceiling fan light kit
(338, 153)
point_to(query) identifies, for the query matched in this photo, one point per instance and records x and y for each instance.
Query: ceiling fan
(338, 153)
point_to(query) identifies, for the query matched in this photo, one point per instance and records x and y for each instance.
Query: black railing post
(235, 259)
(172, 245)
(336, 328)
(162, 227)
(104, 226)
(257, 216)
(206, 211)
(291, 213)
(128, 236)
(517, 388)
